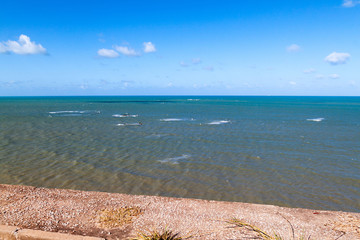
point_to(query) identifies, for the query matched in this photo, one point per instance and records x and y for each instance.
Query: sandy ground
(121, 216)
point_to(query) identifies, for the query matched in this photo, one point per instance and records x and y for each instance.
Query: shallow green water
(288, 151)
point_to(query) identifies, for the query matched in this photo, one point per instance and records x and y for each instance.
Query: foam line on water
(176, 119)
(129, 124)
(61, 112)
(218, 122)
(171, 119)
(125, 115)
(174, 160)
(155, 136)
(315, 119)
(73, 113)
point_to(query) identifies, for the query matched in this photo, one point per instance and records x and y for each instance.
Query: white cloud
(350, 3)
(2, 48)
(292, 83)
(334, 76)
(310, 70)
(23, 46)
(108, 53)
(293, 48)
(337, 58)
(149, 47)
(126, 51)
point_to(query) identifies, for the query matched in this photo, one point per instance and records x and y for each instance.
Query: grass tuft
(156, 235)
(110, 218)
(261, 234)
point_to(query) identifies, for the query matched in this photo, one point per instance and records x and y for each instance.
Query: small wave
(73, 113)
(177, 119)
(129, 124)
(125, 115)
(171, 119)
(218, 122)
(190, 99)
(61, 112)
(315, 119)
(175, 159)
(155, 136)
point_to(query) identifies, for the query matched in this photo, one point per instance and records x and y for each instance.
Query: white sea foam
(62, 112)
(177, 119)
(190, 99)
(315, 119)
(154, 136)
(74, 113)
(133, 124)
(218, 122)
(171, 119)
(129, 124)
(175, 160)
(125, 115)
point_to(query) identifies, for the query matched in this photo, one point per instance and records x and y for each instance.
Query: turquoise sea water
(288, 151)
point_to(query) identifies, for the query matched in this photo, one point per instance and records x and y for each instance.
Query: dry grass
(111, 218)
(258, 231)
(156, 235)
(262, 234)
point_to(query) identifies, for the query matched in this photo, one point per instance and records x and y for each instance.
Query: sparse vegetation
(156, 235)
(110, 218)
(262, 234)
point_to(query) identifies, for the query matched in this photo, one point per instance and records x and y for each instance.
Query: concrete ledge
(8, 232)
(14, 233)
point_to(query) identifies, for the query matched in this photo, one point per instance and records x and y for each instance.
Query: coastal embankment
(122, 216)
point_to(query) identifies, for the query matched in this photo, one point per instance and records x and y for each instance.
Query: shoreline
(90, 213)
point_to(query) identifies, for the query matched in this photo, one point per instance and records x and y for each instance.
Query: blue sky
(180, 47)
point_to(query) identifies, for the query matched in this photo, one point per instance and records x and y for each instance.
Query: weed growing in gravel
(110, 218)
(262, 234)
(156, 235)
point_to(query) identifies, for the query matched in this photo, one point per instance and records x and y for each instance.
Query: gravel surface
(122, 216)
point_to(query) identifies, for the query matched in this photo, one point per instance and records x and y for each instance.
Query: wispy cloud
(183, 64)
(337, 58)
(108, 53)
(149, 47)
(2, 48)
(308, 71)
(209, 68)
(293, 48)
(319, 76)
(350, 3)
(126, 51)
(23, 46)
(334, 76)
(196, 60)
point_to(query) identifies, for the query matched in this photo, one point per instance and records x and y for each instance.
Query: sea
(301, 152)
